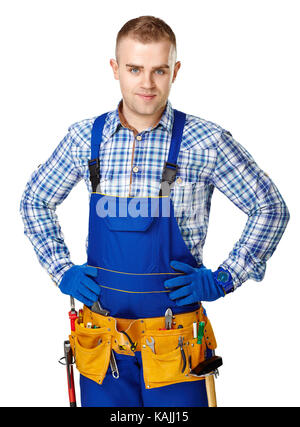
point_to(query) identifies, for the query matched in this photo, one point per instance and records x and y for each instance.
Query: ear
(176, 68)
(115, 67)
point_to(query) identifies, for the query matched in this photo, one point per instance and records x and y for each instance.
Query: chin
(148, 109)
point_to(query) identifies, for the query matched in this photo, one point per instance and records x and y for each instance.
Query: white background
(240, 69)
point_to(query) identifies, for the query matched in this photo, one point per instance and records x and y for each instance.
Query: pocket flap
(128, 223)
(129, 213)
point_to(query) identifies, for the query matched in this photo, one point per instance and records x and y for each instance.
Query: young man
(150, 171)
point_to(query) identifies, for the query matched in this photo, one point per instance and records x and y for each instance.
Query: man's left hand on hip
(197, 284)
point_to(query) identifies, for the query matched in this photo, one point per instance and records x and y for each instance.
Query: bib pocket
(128, 223)
(130, 244)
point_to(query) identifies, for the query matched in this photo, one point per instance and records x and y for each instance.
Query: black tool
(97, 308)
(180, 345)
(207, 366)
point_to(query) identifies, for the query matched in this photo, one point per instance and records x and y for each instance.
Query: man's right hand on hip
(78, 283)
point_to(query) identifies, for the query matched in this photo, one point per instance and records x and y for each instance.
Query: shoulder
(80, 131)
(201, 133)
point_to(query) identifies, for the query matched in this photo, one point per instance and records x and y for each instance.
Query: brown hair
(146, 29)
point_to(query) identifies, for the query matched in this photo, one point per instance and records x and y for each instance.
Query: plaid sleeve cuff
(238, 273)
(253, 269)
(58, 269)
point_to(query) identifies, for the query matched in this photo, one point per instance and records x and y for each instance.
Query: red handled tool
(72, 314)
(70, 374)
(68, 358)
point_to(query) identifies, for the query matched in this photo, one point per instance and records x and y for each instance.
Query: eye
(160, 72)
(132, 70)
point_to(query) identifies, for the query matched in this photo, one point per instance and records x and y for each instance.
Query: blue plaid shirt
(131, 164)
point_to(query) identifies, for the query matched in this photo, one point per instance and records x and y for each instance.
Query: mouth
(146, 97)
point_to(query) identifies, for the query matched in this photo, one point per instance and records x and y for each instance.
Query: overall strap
(170, 166)
(94, 163)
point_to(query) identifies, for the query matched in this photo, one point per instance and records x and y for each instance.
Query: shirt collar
(113, 121)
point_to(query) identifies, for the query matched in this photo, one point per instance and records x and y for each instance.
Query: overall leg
(124, 391)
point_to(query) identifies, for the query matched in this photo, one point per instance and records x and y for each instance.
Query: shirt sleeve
(48, 186)
(237, 175)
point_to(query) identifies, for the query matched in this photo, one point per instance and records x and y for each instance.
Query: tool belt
(173, 354)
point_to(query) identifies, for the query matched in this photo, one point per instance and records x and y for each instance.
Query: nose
(147, 81)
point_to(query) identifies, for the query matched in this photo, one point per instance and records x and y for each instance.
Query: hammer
(207, 369)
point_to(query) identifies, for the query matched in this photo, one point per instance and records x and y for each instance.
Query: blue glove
(77, 282)
(197, 284)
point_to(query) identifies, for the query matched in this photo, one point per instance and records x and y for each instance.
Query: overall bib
(131, 243)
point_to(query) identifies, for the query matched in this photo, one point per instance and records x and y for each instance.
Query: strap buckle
(168, 177)
(169, 172)
(94, 168)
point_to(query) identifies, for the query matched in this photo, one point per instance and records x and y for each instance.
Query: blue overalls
(131, 242)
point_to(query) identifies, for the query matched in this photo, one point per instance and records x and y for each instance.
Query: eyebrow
(153, 68)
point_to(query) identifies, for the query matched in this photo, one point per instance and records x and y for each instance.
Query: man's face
(146, 73)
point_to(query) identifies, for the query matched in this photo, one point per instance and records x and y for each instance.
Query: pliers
(180, 345)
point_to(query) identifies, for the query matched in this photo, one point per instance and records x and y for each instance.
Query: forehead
(136, 52)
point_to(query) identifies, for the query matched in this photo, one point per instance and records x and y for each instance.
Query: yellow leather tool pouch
(91, 349)
(209, 335)
(171, 362)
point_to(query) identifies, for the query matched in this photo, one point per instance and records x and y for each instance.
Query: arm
(48, 186)
(237, 175)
